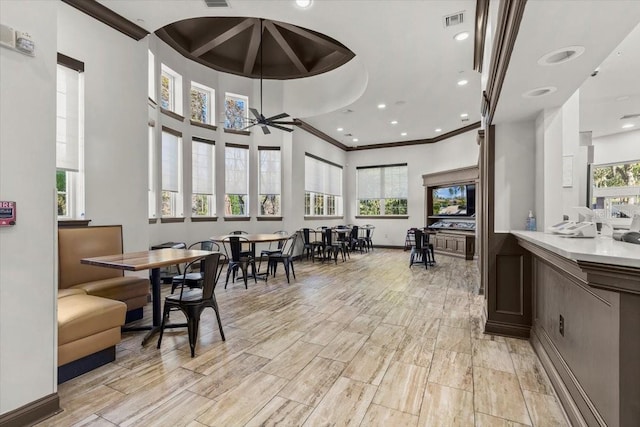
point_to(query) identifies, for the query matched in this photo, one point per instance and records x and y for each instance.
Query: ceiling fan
(260, 119)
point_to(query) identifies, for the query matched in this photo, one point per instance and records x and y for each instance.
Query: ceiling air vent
(630, 116)
(216, 3)
(455, 19)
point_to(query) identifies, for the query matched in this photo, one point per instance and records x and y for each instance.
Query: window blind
(68, 119)
(170, 162)
(383, 182)
(202, 168)
(236, 161)
(322, 177)
(270, 171)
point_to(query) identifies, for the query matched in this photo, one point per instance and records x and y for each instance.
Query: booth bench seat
(88, 330)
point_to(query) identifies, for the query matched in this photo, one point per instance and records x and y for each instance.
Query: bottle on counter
(531, 222)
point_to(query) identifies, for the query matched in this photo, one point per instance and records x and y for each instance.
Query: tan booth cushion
(80, 316)
(87, 242)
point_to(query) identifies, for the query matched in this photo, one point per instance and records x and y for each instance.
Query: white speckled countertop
(600, 249)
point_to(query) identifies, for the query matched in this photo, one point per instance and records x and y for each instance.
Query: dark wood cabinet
(460, 244)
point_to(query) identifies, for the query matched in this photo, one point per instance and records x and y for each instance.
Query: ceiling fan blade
(278, 116)
(247, 127)
(255, 113)
(280, 127)
(282, 123)
(265, 130)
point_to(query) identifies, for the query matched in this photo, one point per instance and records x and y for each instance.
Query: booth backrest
(83, 242)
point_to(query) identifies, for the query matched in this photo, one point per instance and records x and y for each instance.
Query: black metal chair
(273, 249)
(285, 257)
(238, 260)
(422, 251)
(247, 249)
(355, 240)
(192, 301)
(306, 239)
(343, 236)
(368, 236)
(193, 279)
(332, 248)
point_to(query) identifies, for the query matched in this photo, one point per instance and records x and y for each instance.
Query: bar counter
(585, 326)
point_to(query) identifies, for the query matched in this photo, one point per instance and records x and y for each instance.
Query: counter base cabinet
(454, 244)
(586, 331)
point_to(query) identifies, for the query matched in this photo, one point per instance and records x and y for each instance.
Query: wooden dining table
(148, 260)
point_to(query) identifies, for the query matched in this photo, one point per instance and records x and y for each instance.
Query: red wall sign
(7, 213)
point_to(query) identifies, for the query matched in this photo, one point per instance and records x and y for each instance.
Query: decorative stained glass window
(202, 103)
(236, 110)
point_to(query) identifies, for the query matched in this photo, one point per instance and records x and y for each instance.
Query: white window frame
(73, 145)
(323, 187)
(175, 89)
(211, 114)
(173, 195)
(273, 186)
(242, 187)
(208, 197)
(244, 119)
(374, 179)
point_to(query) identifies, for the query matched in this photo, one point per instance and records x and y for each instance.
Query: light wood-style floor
(363, 343)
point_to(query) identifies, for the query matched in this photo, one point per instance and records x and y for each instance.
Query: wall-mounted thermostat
(7, 213)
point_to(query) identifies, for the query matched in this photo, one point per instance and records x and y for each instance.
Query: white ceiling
(410, 62)
(599, 27)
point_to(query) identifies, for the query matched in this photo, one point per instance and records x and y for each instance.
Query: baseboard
(31, 413)
(133, 315)
(506, 329)
(564, 382)
(86, 364)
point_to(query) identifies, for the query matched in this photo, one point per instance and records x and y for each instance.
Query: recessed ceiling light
(540, 91)
(462, 82)
(438, 130)
(394, 122)
(560, 56)
(628, 126)
(463, 115)
(340, 129)
(303, 3)
(355, 140)
(403, 134)
(461, 36)
(381, 106)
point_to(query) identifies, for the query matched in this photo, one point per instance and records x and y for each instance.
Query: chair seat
(189, 277)
(189, 295)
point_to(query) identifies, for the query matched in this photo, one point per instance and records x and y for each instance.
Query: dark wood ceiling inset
(232, 45)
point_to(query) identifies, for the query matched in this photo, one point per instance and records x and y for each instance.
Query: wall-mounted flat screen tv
(454, 200)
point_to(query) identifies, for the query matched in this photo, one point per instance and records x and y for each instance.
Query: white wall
(548, 168)
(514, 174)
(115, 122)
(453, 153)
(28, 277)
(576, 154)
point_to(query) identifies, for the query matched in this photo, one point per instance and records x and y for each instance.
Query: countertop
(601, 249)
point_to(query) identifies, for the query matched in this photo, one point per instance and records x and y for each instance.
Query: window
(202, 177)
(152, 174)
(202, 104)
(70, 138)
(236, 111)
(171, 173)
(236, 173)
(323, 187)
(615, 190)
(170, 90)
(382, 190)
(152, 76)
(269, 180)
